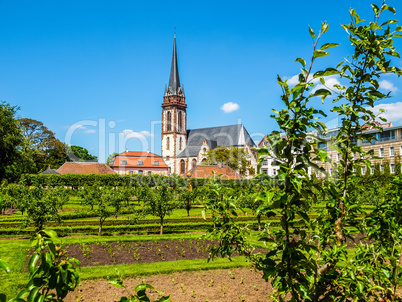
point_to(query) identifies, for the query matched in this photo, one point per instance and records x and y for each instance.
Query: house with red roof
(84, 168)
(132, 162)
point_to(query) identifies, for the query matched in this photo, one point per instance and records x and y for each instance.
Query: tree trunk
(100, 228)
(259, 222)
(161, 232)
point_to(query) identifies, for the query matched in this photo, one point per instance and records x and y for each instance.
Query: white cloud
(230, 107)
(387, 85)
(132, 134)
(330, 81)
(393, 112)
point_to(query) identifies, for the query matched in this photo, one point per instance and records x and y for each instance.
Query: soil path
(239, 284)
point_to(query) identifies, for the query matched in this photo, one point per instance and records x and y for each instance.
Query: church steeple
(174, 80)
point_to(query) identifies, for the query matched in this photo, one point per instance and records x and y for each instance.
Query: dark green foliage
(10, 140)
(79, 154)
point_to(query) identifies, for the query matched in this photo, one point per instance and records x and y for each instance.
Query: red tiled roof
(84, 168)
(202, 171)
(131, 159)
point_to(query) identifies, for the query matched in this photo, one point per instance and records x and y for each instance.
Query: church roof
(174, 80)
(233, 135)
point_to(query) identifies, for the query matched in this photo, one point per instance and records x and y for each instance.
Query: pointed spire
(174, 81)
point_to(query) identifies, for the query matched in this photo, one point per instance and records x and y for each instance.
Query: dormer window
(123, 162)
(140, 162)
(155, 163)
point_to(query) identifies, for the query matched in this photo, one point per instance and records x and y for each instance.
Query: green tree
(235, 158)
(80, 154)
(11, 140)
(110, 157)
(162, 203)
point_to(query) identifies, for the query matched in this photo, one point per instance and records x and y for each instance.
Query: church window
(182, 167)
(181, 144)
(169, 121)
(167, 143)
(194, 163)
(179, 128)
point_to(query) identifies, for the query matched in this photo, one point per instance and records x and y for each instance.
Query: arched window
(194, 163)
(179, 124)
(167, 143)
(169, 121)
(182, 167)
(181, 144)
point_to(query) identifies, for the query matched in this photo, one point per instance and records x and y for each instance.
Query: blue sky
(94, 72)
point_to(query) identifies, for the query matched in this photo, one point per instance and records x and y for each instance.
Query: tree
(235, 158)
(110, 157)
(80, 154)
(162, 203)
(41, 147)
(188, 195)
(10, 139)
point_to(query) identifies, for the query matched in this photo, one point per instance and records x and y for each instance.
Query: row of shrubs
(76, 181)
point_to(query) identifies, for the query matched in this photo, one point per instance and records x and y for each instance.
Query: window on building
(372, 151)
(354, 156)
(169, 121)
(168, 143)
(194, 163)
(382, 168)
(331, 171)
(265, 171)
(182, 166)
(180, 123)
(363, 170)
(140, 162)
(382, 152)
(155, 163)
(330, 156)
(149, 172)
(140, 172)
(372, 169)
(391, 151)
(131, 172)
(338, 157)
(265, 163)
(392, 167)
(123, 162)
(273, 172)
(354, 169)
(167, 157)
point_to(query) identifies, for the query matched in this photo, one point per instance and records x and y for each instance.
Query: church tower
(174, 117)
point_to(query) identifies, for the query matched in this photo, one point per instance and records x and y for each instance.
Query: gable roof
(129, 159)
(233, 135)
(50, 171)
(84, 168)
(206, 171)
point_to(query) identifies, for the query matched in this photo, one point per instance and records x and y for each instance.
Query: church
(183, 149)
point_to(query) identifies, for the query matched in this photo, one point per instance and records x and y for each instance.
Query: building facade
(145, 163)
(387, 148)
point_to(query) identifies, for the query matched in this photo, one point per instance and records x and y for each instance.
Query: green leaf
(312, 34)
(4, 266)
(117, 282)
(143, 286)
(327, 72)
(329, 45)
(320, 53)
(301, 61)
(203, 214)
(375, 9)
(52, 234)
(32, 262)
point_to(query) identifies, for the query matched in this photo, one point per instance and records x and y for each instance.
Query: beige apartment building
(387, 146)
